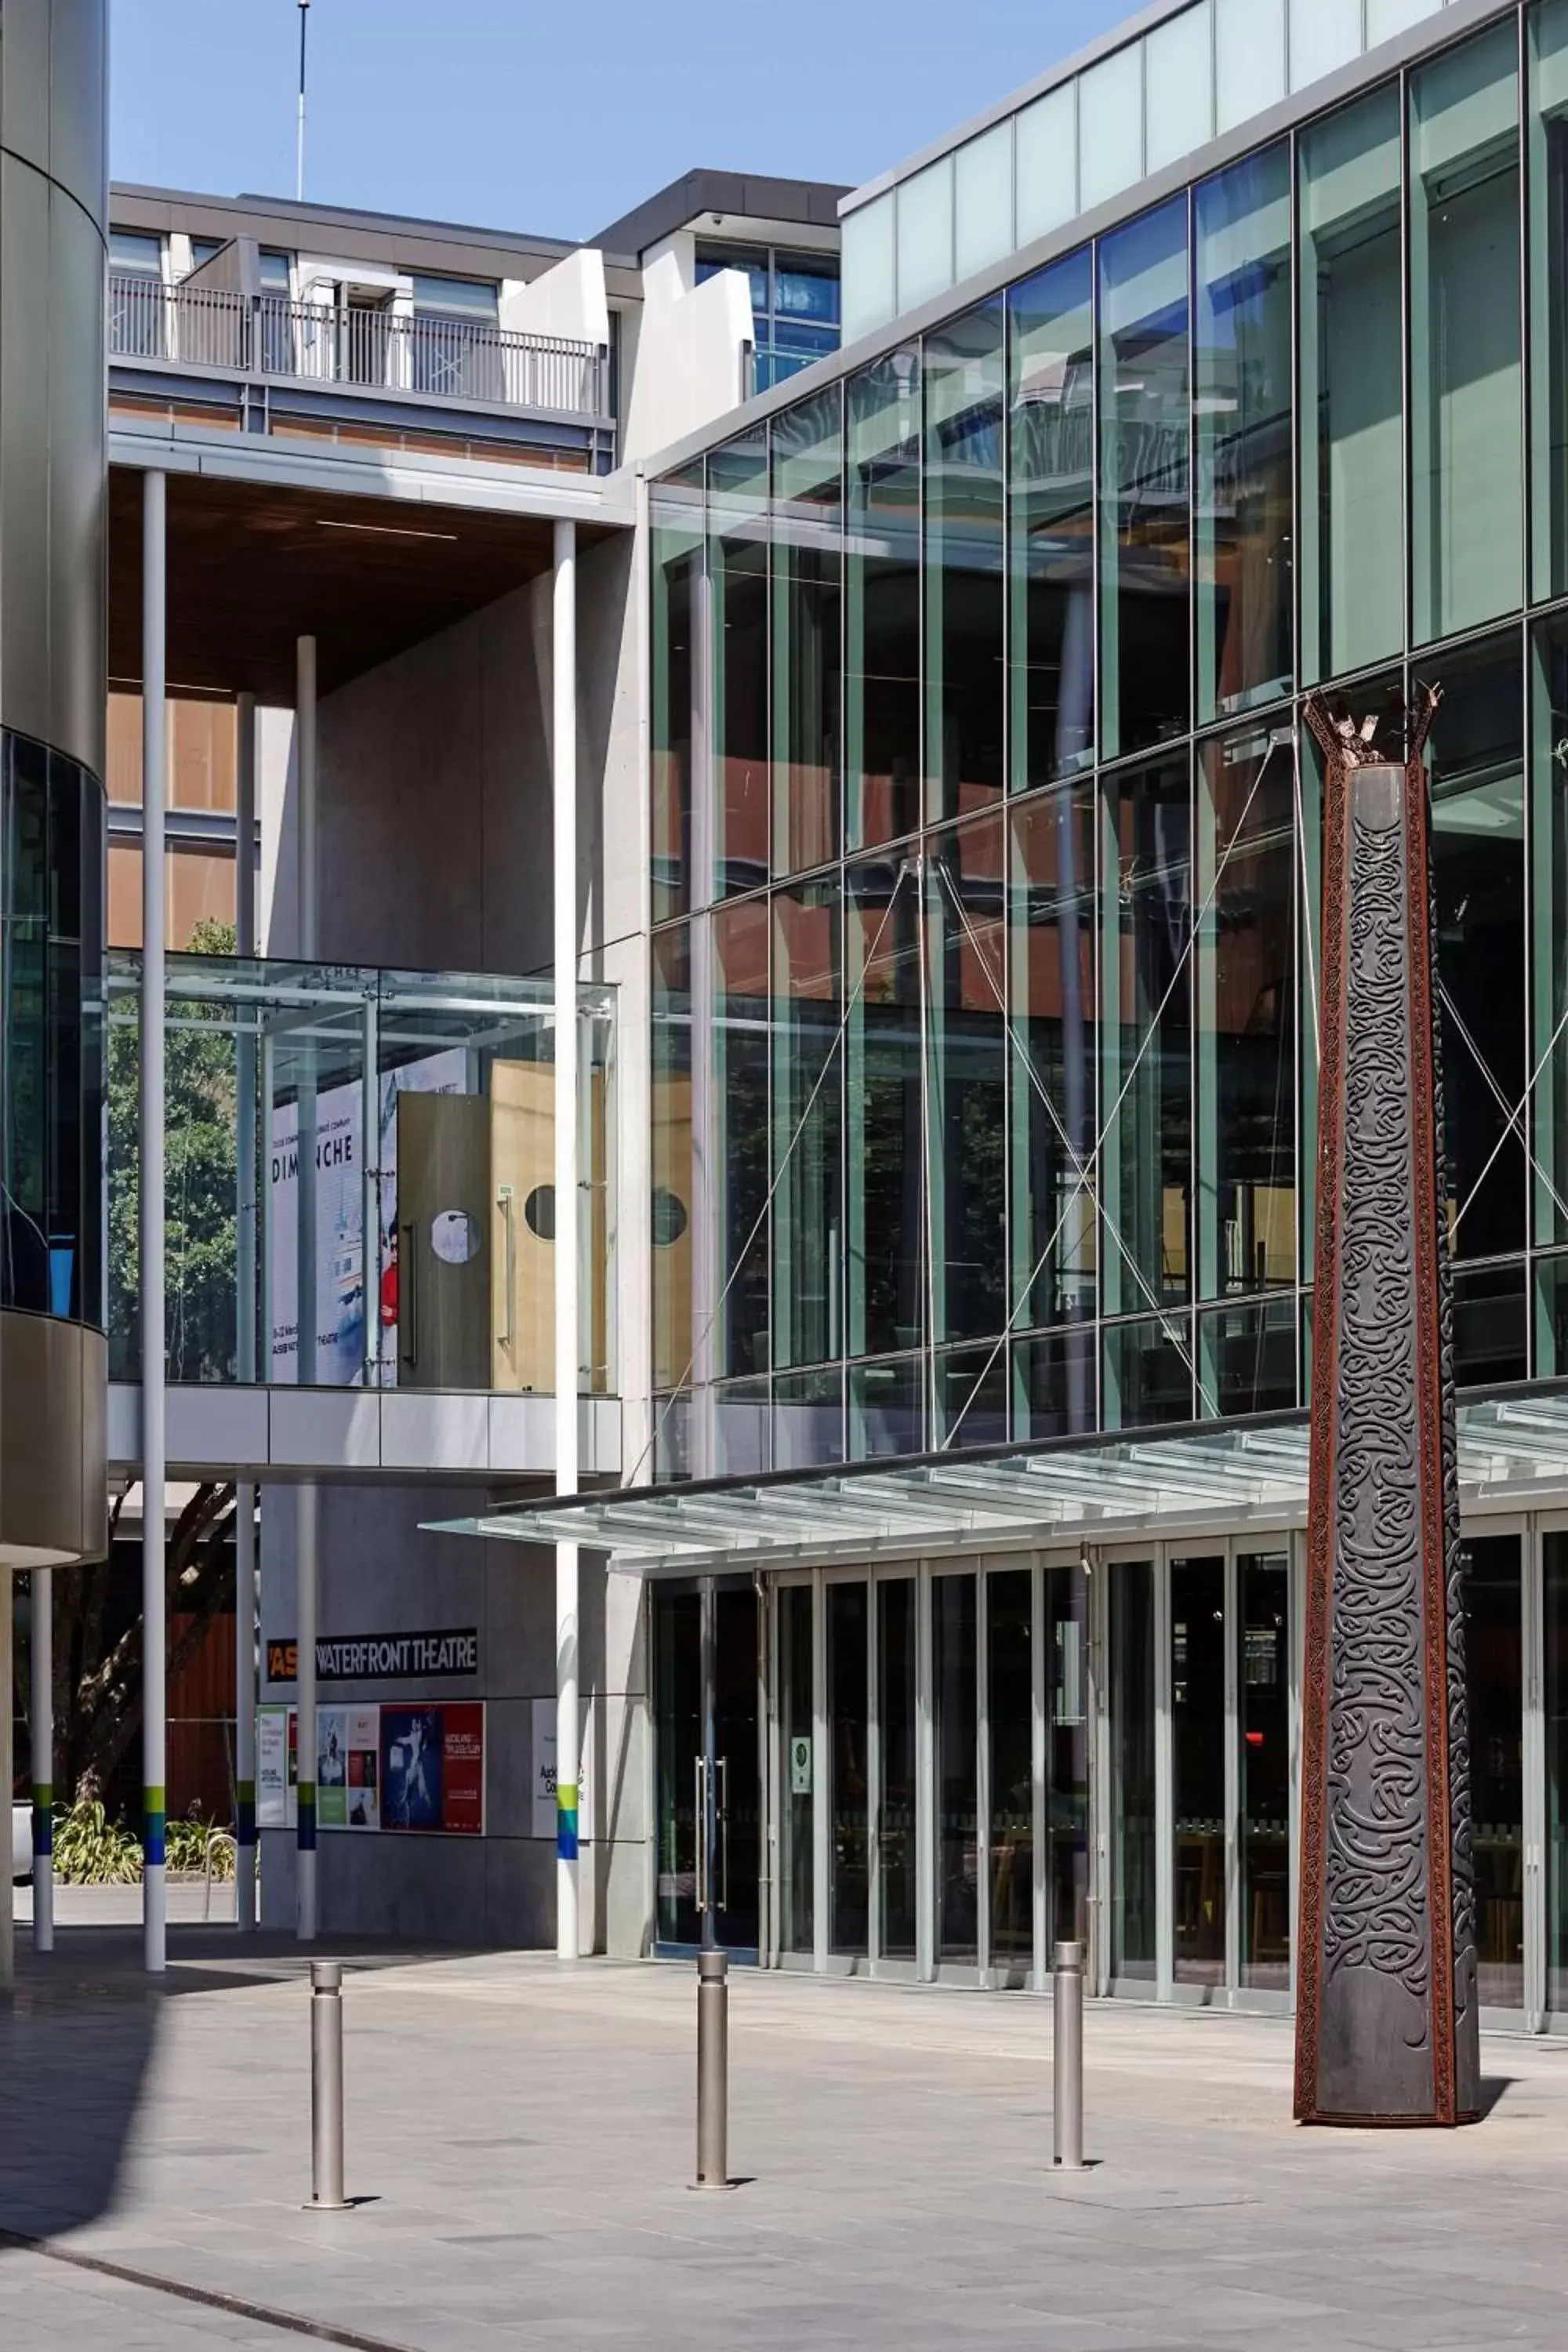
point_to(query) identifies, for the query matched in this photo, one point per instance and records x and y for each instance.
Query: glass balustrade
(360, 1177)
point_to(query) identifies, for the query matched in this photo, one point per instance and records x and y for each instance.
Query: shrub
(92, 1850)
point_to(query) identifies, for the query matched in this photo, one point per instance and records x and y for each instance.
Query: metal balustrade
(372, 349)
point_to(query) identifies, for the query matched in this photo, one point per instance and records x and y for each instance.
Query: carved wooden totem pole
(1386, 2018)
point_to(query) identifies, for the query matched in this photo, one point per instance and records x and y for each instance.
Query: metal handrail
(460, 360)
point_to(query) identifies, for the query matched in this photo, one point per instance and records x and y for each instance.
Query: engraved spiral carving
(1375, 1862)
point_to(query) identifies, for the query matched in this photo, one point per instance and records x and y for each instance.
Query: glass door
(1198, 1777)
(1130, 1642)
(678, 1750)
(955, 1720)
(897, 1843)
(707, 1883)
(1010, 1774)
(849, 1784)
(1262, 1672)
(1494, 1672)
(798, 1773)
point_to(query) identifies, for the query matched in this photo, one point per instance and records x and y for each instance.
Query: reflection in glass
(1352, 389)
(954, 1704)
(884, 1110)
(808, 610)
(1010, 1846)
(887, 1408)
(1466, 428)
(671, 1077)
(1546, 121)
(968, 1077)
(1263, 1723)
(1246, 1062)
(1478, 873)
(848, 1810)
(738, 565)
(1055, 1382)
(896, 1847)
(675, 518)
(1548, 924)
(739, 1167)
(972, 1397)
(1066, 1755)
(742, 1429)
(1051, 529)
(1242, 410)
(797, 1778)
(1554, 1577)
(1247, 1358)
(1145, 1036)
(1492, 1336)
(1197, 1767)
(964, 644)
(882, 613)
(1494, 1675)
(1148, 1372)
(1133, 1772)
(1051, 954)
(808, 1419)
(677, 1745)
(1145, 474)
(808, 1125)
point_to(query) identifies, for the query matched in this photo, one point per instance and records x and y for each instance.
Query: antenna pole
(300, 151)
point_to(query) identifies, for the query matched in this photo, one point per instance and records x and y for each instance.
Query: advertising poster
(348, 1768)
(277, 1768)
(545, 1774)
(432, 1768)
(341, 1350)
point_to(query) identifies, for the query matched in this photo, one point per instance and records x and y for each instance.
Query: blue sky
(540, 115)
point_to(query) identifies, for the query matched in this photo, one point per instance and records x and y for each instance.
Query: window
(130, 249)
(454, 298)
(205, 249)
(794, 304)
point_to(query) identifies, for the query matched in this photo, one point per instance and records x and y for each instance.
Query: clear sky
(545, 116)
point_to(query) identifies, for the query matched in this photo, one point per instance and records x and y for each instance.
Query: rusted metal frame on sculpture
(1386, 2006)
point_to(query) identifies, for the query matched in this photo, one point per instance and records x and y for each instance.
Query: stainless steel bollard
(327, 2087)
(1067, 2056)
(712, 2071)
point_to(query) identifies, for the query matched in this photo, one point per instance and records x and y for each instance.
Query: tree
(97, 1619)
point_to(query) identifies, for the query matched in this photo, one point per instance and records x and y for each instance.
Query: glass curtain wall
(675, 520)
(807, 652)
(672, 1204)
(1352, 389)
(1050, 534)
(965, 670)
(737, 532)
(1547, 137)
(1465, 361)
(739, 1178)
(882, 601)
(967, 1087)
(1549, 981)
(1244, 460)
(1146, 478)
(884, 1161)
(807, 1219)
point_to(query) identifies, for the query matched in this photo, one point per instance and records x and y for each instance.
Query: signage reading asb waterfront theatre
(378, 1657)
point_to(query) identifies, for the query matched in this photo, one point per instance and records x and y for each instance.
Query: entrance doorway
(708, 1887)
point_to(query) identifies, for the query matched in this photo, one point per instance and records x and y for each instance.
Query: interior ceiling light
(384, 530)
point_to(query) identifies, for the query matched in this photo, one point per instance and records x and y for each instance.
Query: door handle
(408, 1296)
(508, 1338)
(723, 1768)
(700, 1826)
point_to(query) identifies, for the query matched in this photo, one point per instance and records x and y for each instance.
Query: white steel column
(154, 1612)
(245, 1335)
(564, 799)
(41, 1709)
(307, 1515)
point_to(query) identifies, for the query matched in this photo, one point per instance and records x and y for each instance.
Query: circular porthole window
(669, 1217)
(453, 1237)
(538, 1211)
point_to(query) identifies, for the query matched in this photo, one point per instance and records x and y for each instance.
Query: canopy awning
(1514, 1455)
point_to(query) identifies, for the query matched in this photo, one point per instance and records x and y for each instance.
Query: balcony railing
(461, 359)
(375, 1146)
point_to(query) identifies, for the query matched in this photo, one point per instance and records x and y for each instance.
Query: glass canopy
(1513, 1451)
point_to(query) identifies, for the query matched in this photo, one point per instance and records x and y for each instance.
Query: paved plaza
(522, 2137)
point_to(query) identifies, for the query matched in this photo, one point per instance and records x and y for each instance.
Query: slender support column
(564, 790)
(307, 1522)
(245, 1336)
(155, 1610)
(41, 1707)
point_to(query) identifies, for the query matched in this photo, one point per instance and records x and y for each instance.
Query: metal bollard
(1067, 2056)
(712, 2071)
(327, 2088)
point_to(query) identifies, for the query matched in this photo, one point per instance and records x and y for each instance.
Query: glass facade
(977, 676)
(52, 1042)
(1046, 584)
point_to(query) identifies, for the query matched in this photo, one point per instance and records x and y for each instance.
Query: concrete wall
(379, 1573)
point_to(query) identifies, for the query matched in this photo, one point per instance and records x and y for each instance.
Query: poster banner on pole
(277, 1768)
(543, 1806)
(348, 1768)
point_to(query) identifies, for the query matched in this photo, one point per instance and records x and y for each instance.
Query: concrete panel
(428, 1431)
(624, 1912)
(207, 1426)
(521, 1433)
(326, 1428)
(518, 1617)
(509, 1767)
(520, 1892)
(616, 1747)
(25, 302)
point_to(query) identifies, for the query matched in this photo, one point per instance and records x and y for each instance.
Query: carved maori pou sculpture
(1387, 2028)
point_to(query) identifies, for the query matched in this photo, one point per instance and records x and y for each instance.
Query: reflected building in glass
(1228, 365)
